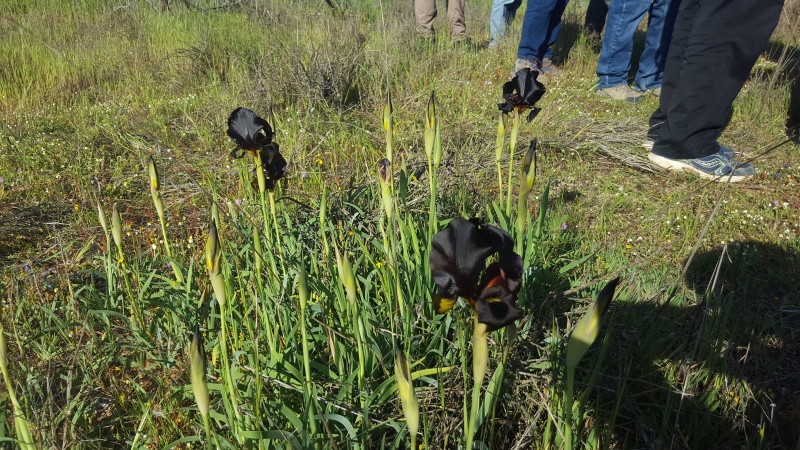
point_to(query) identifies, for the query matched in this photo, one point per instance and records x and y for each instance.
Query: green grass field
(304, 292)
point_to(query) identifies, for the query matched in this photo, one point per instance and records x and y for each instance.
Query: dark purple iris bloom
(522, 92)
(254, 135)
(457, 260)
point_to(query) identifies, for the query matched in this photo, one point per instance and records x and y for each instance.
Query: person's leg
(659, 33)
(457, 19)
(497, 21)
(425, 12)
(511, 10)
(503, 12)
(554, 28)
(681, 31)
(595, 19)
(536, 29)
(614, 62)
(717, 48)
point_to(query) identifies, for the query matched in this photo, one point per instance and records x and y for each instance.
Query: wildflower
(458, 256)
(564, 226)
(522, 92)
(273, 164)
(249, 131)
(254, 135)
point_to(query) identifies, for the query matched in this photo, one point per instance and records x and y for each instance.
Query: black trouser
(714, 45)
(596, 14)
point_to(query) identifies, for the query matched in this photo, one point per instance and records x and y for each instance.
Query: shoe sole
(626, 99)
(676, 165)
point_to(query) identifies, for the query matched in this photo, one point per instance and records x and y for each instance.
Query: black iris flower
(522, 92)
(249, 131)
(458, 264)
(254, 135)
(272, 163)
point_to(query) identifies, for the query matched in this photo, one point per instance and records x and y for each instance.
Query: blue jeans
(540, 28)
(615, 57)
(503, 12)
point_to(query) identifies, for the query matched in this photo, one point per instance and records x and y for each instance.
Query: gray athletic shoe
(623, 92)
(533, 64)
(714, 167)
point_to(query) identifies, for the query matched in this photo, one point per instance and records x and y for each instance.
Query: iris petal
(499, 312)
(249, 131)
(272, 162)
(522, 92)
(458, 256)
(497, 302)
(443, 304)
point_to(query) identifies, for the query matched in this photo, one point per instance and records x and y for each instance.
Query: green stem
(498, 153)
(262, 196)
(109, 269)
(136, 321)
(274, 215)
(568, 401)
(480, 359)
(207, 427)
(308, 392)
(510, 336)
(168, 250)
(431, 217)
(227, 374)
(512, 147)
(23, 432)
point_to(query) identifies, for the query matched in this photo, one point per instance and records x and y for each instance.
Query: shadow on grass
(708, 374)
(23, 228)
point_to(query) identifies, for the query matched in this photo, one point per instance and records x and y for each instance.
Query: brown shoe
(550, 69)
(623, 92)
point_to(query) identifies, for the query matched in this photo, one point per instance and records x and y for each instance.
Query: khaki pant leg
(425, 11)
(456, 18)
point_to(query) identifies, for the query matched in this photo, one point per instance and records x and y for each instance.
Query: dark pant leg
(555, 26)
(511, 10)
(540, 27)
(596, 16)
(715, 44)
(681, 32)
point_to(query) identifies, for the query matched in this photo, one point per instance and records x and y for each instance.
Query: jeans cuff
(601, 86)
(649, 88)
